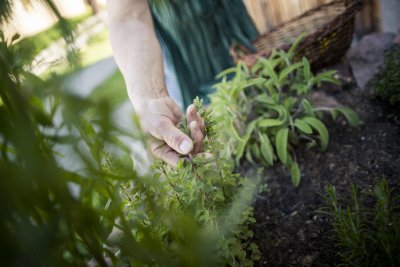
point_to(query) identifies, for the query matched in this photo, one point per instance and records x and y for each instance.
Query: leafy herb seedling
(265, 111)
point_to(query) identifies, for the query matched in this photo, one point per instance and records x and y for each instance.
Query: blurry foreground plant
(57, 215)
(265, 112)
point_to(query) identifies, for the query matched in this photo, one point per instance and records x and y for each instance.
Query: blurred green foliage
(112, 90)
(57, 215)
(42, 40)
(367, 228)
(387, 82)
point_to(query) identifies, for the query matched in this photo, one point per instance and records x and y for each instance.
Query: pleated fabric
(198, 35)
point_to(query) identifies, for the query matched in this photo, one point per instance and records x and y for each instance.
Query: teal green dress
(198, 35)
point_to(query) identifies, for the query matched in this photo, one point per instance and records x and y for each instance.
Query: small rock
(301, 235)
(366, 57)
(331, 166)
(309, 222)
(308, 260)
(294, 213)
(315, 217)
(314, 235)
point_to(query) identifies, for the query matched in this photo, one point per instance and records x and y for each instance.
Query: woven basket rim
(350, 8)
(305, 14)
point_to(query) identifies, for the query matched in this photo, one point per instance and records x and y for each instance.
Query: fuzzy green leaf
(265, 99)
(295, 173)
(242, 144)
(269, 123)
(269, 70)
(255, 150)
(226, 72)
(286, 71)
(267, 151)
(233, 130)
(306, 69)
(292, 51)
(321, 129)
(350, 115)
(303, 126)
(281, 144)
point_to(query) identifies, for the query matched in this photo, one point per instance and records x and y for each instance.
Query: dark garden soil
(289, 230)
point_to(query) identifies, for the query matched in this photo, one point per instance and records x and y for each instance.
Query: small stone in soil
(294, 213)
(308, 260)
(314, 235)
(309, 222)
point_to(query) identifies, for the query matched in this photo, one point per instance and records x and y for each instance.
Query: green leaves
(245, 139)
(350, 115)
(274, 109)
(283, 75)
(267, 150)
(281, 144)
(295, 174)
(303, 126)
(270, 123)
(321, 129)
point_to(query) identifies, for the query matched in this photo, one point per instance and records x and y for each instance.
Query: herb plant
(366, 235)
(387, 82)
(265, 111)
(214, 202)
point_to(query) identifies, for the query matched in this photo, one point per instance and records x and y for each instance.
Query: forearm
(136, 50)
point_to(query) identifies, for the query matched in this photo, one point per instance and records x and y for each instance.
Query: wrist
(140, 98)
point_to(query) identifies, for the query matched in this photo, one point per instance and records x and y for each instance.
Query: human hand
(160, 118)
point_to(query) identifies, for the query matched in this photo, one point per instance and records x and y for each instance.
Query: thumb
(176, 139)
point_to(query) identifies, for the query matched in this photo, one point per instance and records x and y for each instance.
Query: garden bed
(290, 231)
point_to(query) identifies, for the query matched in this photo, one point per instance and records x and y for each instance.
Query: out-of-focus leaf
(321, 129)
(349, 114)
(303, 126)
(267, 149)
(281, 144)
(295, 174)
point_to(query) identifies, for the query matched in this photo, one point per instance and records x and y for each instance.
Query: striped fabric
(198, 35)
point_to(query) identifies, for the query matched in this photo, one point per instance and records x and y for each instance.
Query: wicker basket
(328, 28)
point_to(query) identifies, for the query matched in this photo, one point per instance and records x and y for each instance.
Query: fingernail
(185, 146)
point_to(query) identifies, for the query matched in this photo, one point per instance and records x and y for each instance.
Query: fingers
(196, 135)
(192, 115)
(162, 151)
(176, 111)
(176, 139)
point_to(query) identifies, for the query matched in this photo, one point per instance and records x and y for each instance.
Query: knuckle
(176, 140)
(160, 125)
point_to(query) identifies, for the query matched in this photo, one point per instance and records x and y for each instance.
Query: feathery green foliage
(366, 235)
(265, 112)
(215, 202)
